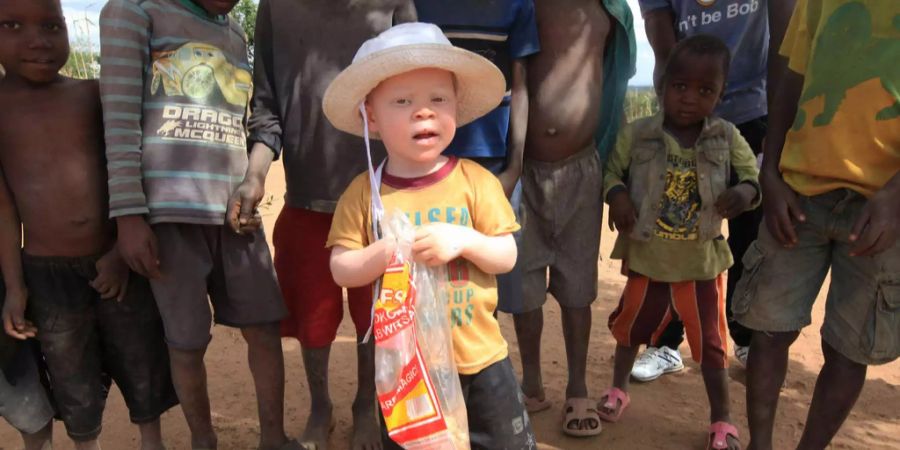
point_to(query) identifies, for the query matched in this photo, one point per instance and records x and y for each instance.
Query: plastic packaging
(415, 373)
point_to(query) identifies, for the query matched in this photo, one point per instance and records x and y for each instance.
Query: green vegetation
(640, 102)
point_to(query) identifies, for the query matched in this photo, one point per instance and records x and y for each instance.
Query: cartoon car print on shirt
(195, 70)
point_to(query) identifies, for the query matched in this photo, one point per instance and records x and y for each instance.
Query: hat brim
(480, 84)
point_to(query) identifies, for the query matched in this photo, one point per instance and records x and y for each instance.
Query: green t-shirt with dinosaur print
(847, 130)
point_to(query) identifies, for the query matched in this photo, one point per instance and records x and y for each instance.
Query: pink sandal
(719, 433)
(616, 400)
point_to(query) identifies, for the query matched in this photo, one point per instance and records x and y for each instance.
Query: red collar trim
(423, 181)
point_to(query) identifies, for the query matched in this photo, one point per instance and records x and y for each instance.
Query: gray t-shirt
(743, 25)
(300, 47)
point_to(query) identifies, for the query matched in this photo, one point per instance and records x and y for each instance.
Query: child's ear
(370, 117)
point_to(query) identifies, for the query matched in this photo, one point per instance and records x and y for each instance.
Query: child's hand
(735, 200)
(780, 208)
(622, 215)
(112, 276)
(14, 322)
(440, 243)
(242, 215)
(137, 246)
(876, 229)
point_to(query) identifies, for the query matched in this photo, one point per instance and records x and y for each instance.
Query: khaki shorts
(562, 211)
(779, 285)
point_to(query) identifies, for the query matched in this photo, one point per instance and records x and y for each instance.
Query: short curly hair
(697, 45)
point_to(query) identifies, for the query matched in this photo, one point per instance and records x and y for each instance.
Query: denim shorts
(779, 285)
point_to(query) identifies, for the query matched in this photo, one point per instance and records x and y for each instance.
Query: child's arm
(440, 243)
(745, 194)
(405, 13)
(265, 123)
(14, 322)
(242, 214)
(124, 56)
(779, 17)
(355, 268)
(659, 24)
(622, 215)
(518, 127)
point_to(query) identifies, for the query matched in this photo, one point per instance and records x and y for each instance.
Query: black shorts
(85, 338)
(495, 409)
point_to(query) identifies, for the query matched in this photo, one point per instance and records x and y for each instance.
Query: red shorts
(647, 307)
(314, 301)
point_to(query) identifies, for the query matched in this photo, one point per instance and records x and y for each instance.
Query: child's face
(34, 44)
(691, 93)
(414, 114)
(217, 7)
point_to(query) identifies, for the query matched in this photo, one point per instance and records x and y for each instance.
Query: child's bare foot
(366, 426)
(318, 427)
(722, 436)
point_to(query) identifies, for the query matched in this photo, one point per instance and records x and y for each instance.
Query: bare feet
(318, 427)
(366, 426)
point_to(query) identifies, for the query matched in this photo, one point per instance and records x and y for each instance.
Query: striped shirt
(175, 85)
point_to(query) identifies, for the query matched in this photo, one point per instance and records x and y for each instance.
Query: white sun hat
(480, 85)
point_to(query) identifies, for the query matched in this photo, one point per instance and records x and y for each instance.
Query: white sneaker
(741, 353)
(655, 362)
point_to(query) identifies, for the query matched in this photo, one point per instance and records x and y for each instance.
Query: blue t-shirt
(499, 30)
(743, 25)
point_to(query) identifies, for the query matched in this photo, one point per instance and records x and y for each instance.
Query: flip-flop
(719, 432)
(617, 400)
(535, 405)
(577, 411)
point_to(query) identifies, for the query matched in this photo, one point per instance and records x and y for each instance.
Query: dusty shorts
(24, 401)
(562, 211)
(314, 302)
(779, 285)
(496, 411)
(86, 340)
(203, 264)
(647, 306)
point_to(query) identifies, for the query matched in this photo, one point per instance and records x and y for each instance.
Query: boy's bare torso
(565, 80)
(51, 153)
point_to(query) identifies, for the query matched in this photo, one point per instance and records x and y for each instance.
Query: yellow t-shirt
(847, 130)
(460, 193)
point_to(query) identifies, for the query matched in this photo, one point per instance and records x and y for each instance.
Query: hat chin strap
(377, 210)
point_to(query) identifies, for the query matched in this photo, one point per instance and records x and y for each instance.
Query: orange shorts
(647, 307)
(314, 301)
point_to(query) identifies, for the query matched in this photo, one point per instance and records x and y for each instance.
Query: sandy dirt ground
(670, 413)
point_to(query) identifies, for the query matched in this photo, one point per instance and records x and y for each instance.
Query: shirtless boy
(562, 190)
(90, 314)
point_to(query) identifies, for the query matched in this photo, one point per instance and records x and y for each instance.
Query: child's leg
(701, 304)
(643, 313)
(577, 334)
(496, 412)
(41, 440)
(189, 378)
(837, 389)
(315, 306)
(136, 357)
(529, 329)
(767, 366)
(366, 412)
(267, 366)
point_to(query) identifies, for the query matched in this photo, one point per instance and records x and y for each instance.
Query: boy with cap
(413, 88)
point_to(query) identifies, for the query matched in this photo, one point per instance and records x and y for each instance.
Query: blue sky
(82, 13)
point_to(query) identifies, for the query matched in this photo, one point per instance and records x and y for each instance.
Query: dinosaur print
(855, 56)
